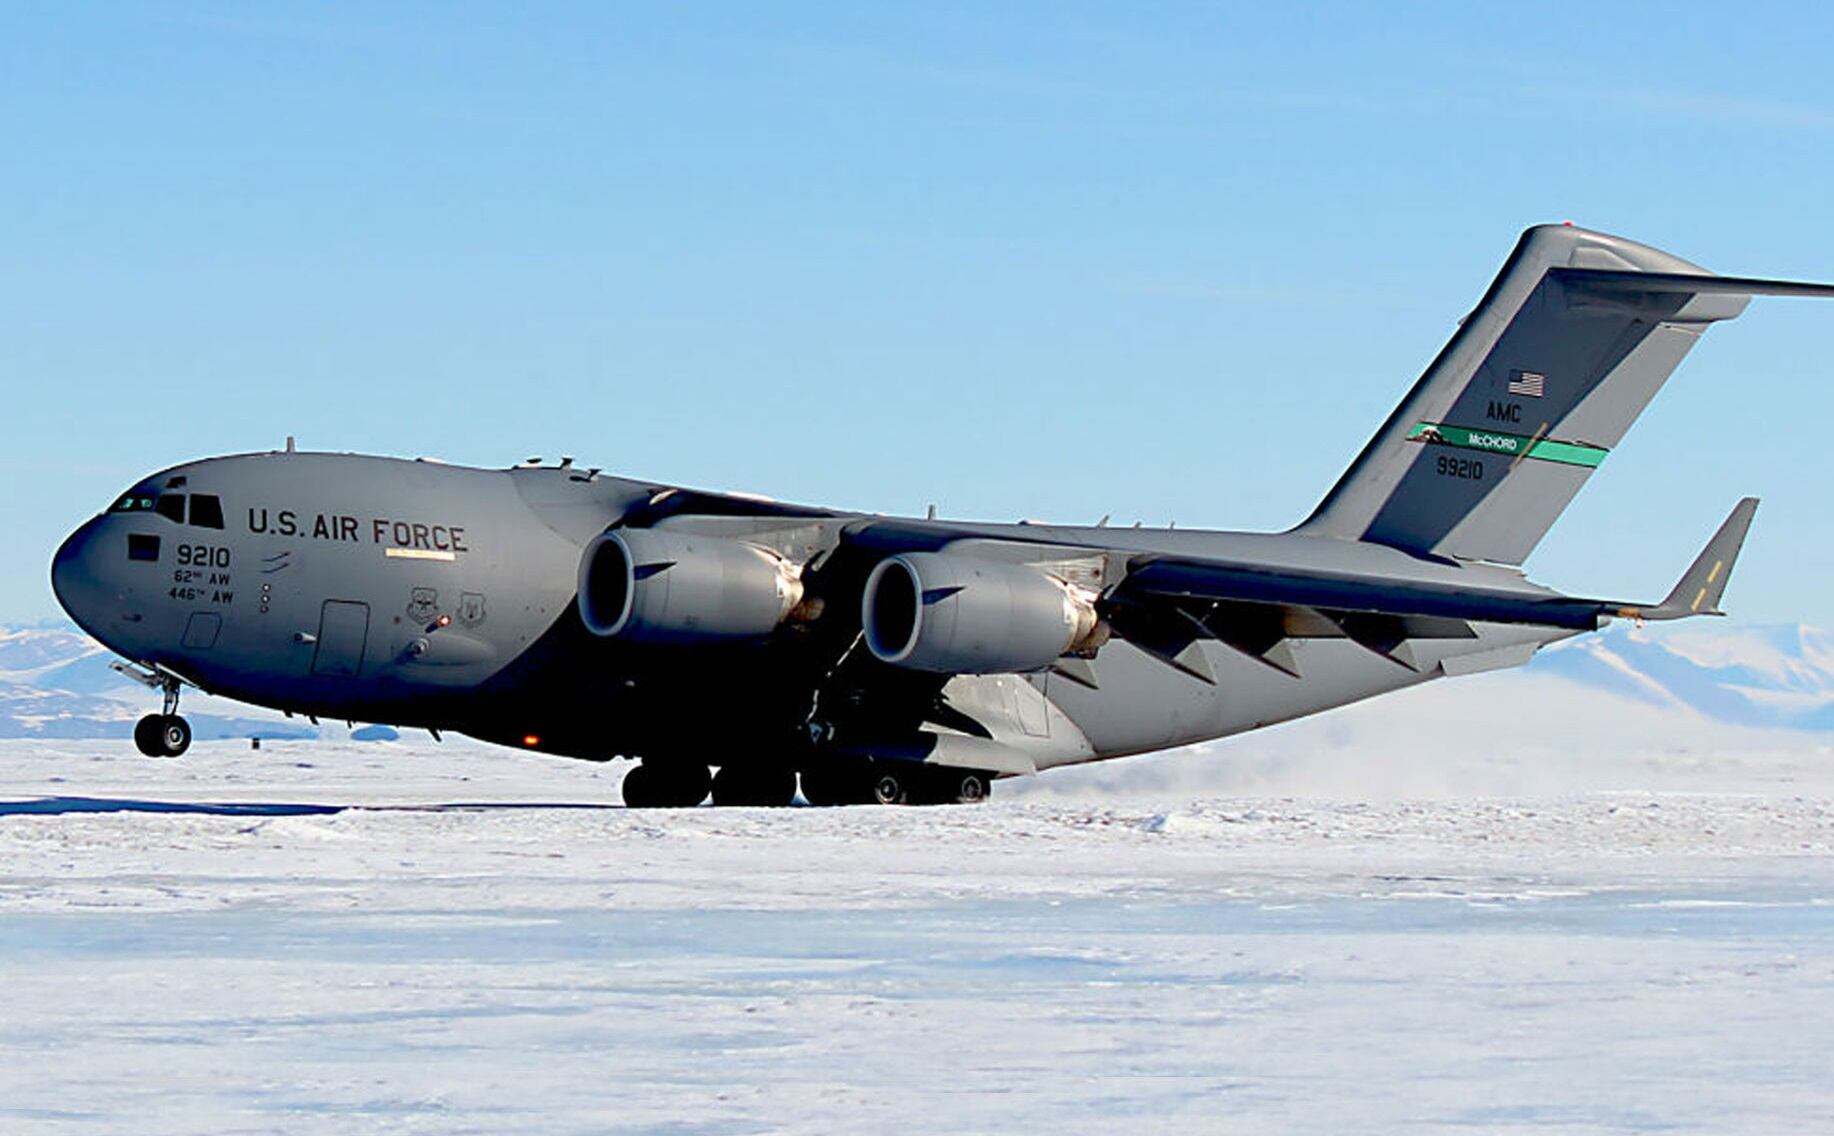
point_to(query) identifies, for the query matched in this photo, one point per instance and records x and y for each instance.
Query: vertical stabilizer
(1574, 337)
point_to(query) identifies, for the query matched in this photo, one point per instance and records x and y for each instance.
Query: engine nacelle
(666, 587)
(962, 615)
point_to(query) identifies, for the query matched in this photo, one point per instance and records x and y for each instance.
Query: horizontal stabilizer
(1704, 582)
(1674, 283)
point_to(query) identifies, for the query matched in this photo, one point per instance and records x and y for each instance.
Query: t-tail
(1541, 381)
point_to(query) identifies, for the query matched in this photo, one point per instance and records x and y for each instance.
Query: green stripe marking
(1508, 445)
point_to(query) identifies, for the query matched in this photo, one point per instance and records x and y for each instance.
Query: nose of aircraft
(76, 578)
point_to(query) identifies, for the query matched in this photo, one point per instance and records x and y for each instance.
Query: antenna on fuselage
(290, 447)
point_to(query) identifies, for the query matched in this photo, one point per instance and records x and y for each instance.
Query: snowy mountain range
(1739, 675)
(55, 682)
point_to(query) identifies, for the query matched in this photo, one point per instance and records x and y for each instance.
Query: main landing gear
(893, 783)
(754, 786)
(672, 786)
(166, 734)
(683, 785)
(680, 785)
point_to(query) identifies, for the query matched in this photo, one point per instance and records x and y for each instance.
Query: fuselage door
(201, 631)
(343, 628)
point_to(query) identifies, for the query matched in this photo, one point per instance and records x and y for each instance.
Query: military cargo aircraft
(890, 659)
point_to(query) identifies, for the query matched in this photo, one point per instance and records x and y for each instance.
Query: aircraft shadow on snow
(65, 806)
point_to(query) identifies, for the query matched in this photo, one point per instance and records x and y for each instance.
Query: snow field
(408, 938)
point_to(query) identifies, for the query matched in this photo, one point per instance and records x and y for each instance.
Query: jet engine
(666, 587)
(961, 615)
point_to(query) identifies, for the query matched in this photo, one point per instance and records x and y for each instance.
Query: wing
(1165, 604)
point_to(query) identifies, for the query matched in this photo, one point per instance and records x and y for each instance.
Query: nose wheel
(162, 735)
(167, 734)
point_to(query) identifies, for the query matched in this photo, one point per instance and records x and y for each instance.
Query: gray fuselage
(423, 594)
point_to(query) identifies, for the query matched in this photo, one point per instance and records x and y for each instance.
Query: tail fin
(1574, 337)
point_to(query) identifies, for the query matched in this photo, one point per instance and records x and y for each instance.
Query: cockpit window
(207, 510)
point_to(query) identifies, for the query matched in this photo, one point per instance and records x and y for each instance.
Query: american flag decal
(1528, 384)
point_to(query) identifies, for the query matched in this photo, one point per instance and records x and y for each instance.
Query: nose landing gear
(166, 734)
(162, 735)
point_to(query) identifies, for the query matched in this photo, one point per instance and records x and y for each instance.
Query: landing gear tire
(965, 787)
(888, 787)
(825, 786)
(893, 783)
(146, 735)
(175, 735)
(751, 787)
(941, 785)
(819, 788)
(162, 735)
(665, 786)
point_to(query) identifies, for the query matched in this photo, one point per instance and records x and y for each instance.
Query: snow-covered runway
(405, 939)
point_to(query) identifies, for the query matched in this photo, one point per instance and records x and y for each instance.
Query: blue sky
(1170, 262)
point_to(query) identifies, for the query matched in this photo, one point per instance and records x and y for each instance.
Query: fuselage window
(206, 510)
(142, 546)
(171, 506)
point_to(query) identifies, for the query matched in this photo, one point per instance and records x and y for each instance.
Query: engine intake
(961, 615)
(655, 586)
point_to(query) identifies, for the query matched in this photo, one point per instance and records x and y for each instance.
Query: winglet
(1704, 582)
